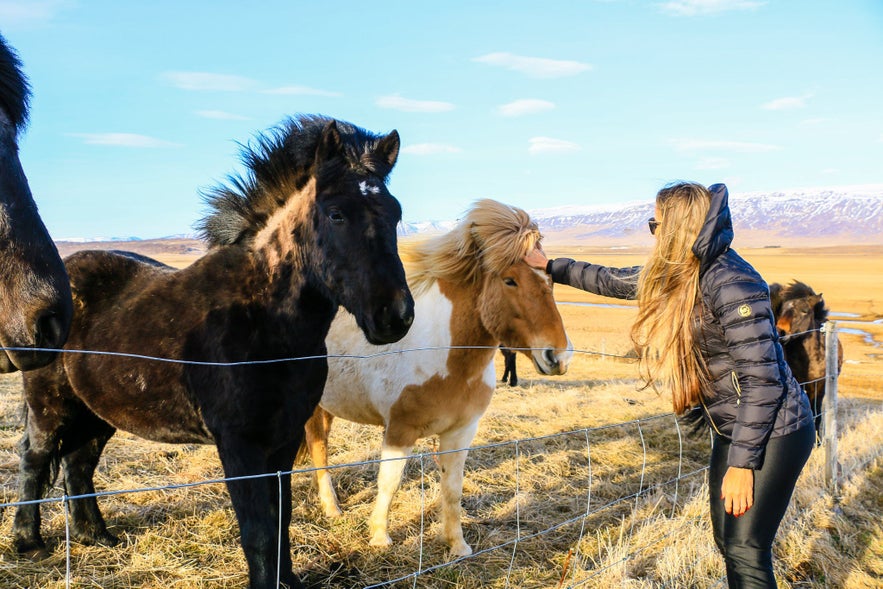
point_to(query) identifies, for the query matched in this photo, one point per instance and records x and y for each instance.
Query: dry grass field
(576, 481)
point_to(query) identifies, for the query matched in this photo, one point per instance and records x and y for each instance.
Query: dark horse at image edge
(35, 297)
(800, 314)
(311, 227)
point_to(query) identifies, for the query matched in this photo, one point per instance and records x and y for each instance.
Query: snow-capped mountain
(823, 216)
(850, 215)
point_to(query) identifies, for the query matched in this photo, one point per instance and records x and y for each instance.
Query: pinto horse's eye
(510, 282)
(336, 217)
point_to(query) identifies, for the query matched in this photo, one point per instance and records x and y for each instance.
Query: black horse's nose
(50, 330)
(393, 320)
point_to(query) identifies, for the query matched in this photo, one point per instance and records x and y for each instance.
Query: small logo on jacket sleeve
(744, 311)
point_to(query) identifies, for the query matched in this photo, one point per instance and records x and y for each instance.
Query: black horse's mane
(15, 93)
(800, 290)
(280, 162)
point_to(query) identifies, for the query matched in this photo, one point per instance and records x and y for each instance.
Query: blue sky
(139, 105)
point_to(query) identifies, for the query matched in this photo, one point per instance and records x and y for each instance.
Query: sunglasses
(653, 224)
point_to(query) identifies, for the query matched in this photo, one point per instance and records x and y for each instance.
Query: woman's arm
(741, 304)
(620, 283)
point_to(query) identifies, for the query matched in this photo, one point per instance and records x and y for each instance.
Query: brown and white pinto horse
(472, 290)
(800, 313)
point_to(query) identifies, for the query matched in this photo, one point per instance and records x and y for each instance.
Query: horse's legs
(36, 472)
(256, 503)
(80, 454)
(513, 376)
(317, 429)
(48, 408)
(389, 477)
(452, 464)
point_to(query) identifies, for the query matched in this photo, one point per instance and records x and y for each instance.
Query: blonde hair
(669, 299)
(491, 237)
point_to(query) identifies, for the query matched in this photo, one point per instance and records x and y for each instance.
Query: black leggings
(746, 542)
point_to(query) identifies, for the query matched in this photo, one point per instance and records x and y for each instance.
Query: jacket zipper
(735, 379)
(736, 386)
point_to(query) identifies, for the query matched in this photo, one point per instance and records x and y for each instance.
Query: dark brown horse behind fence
(510, 366)
(312, 227)
(800, 314)
(35, 298)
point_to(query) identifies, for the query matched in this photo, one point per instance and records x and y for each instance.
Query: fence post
(829, 407)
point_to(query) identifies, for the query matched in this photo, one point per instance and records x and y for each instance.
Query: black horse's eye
(336, 217)
(510, 282)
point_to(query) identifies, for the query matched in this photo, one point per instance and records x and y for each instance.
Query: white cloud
(550, 145)
(29, 11)
(525, 106)
(536, 67)
(123, 140)
(787, 102)
(221, 115)
(692, 145)
(396, 102)
(209, 81)
(430, 149)
(703, 7)
(302, 91)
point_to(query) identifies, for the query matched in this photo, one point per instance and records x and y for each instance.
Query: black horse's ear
(387, 151)
(330, 143)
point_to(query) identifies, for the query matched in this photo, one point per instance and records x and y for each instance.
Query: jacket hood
(716, 234)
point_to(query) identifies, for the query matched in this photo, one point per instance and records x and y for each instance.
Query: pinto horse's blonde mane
(491, 237)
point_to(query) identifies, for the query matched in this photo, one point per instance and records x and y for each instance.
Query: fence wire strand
(581, 560)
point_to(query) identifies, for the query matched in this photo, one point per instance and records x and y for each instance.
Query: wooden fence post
(829, 406)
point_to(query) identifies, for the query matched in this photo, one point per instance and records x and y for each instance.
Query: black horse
(313, 226)
(800, 314)
(510, 369)
(35, 297)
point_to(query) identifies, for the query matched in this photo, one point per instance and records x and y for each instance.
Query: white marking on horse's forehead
(542, 274)
(365, 187)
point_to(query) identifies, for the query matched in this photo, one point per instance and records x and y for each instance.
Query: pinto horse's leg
(256, 503)
(452, 465)
(317, 429)
(389, 477)
(80, 453)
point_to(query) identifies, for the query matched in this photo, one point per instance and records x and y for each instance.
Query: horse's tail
(303, 452)
(54, 461)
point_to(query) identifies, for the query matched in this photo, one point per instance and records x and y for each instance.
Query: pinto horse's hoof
(380, 539)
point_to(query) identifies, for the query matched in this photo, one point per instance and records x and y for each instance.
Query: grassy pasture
(535, 491)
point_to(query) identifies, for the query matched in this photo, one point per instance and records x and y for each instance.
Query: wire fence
(603, 494)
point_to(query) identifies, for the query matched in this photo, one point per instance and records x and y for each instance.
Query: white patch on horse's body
(365, 188)
(364, 390)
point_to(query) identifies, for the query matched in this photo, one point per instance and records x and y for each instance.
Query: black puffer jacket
(754, 396)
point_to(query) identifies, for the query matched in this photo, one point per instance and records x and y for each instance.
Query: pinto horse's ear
(387, 153)
(330, 144)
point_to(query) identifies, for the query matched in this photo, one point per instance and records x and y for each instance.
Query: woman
(705, 331)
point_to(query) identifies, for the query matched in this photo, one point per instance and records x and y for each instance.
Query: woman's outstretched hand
(537, 258)
(737, 490)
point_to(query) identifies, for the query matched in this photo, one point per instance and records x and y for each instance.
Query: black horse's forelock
(800, 290)
(15, 92)
(278, 163)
